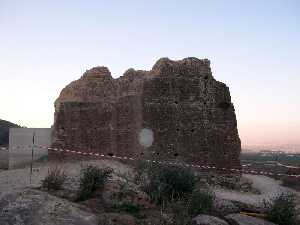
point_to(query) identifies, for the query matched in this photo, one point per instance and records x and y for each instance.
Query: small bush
(168, 183)
(282, 210)
(200, 202)
(140, 168)
(128, 207)
(105, 220)
(92, 178)
(54, 180)
(180, 213)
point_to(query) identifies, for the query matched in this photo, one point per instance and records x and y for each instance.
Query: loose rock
(239, 219)
(208, 220)
(33, 207)
(224, 207)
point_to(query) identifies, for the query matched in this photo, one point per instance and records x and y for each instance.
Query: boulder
(239, 219)
(116, 219)
(224, 207)
(208, 220)
(115, 192)
(33, 207)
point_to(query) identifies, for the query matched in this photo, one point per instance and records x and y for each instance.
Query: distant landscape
(292, 148)
(276, 162)
(271, 161)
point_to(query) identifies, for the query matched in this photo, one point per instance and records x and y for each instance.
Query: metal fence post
(31, 164)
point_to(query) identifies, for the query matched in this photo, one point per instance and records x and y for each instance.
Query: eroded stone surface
(239, 219)
(176, 111)
(208, 220)
(224, 207)
(32, 207)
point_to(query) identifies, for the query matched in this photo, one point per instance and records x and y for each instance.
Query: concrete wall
(19, 157)
(3, 159)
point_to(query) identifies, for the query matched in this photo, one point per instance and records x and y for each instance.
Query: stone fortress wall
(177, 112)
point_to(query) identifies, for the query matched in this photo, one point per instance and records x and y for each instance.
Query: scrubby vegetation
(176, 190)
(155, 194)
(282, 210)
(128, 207)
(200, 202)
(166, 183)
(54, 180)
(91, 179)
(180, 214)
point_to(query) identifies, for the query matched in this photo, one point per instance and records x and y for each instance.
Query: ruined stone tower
(177, 112)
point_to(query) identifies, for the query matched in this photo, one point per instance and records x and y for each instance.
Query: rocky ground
(268, 188)
(22, 202)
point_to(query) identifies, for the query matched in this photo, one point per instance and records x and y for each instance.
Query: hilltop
(126, 197)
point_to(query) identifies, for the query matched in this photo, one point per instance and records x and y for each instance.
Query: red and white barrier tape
(153, 161)
(171, 163)
(33, 146)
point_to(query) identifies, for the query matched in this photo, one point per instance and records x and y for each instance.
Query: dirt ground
(18, 179)
(268, 187)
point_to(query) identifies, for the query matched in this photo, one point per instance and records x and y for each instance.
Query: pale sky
(254, 47)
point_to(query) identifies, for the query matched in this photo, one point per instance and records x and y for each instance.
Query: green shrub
(140, 169)
(167, 183)
(92, 178)
(105, 220)
(282, 210)
(200, 202)
(180, 213)
(128, 207)
(54, 179)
